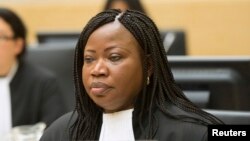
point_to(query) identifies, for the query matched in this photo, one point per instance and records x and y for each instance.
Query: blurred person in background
(124, 5)
(28, 93)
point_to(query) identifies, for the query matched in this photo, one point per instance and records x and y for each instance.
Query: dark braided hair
(161, 90)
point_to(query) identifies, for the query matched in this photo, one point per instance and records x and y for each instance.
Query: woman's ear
(150, 65)
(19, 45)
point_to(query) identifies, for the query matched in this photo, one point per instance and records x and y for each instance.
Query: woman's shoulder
(184, 128)
(59, 129)
(178, 116)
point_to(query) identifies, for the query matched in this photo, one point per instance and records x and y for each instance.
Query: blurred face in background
(119, 4)
(9, 47)
(112, 71)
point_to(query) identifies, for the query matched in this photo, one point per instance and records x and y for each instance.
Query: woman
(27, 91)
(124, 87)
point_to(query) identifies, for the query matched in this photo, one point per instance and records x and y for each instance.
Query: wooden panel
(213, 27)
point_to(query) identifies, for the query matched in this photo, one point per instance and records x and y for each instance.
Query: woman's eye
(88, 59)
(115, 58)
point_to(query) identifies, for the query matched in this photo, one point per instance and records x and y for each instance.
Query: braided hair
(161, 90)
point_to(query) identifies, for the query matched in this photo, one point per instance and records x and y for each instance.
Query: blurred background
(211, 27)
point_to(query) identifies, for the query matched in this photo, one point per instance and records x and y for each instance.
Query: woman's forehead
(113, 34)
(113, 30)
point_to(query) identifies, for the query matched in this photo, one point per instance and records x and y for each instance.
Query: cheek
(6, 54)
(3, 52)
(85, 77)
(129, 78)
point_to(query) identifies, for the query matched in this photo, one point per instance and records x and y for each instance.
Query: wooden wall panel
(213, 27)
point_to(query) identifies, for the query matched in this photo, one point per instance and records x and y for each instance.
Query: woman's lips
(99, 88)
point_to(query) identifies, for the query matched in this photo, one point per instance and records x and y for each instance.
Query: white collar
(11, 73)
(5, 101)
(117, 126)
(118, 115)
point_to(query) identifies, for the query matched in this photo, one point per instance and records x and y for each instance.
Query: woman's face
(119, 4)
(8, 47)
(112, 71)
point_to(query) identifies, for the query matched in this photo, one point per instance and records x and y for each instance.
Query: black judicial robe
(35, 96)
(168, 129)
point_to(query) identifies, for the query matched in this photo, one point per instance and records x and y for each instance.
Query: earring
(148, 81)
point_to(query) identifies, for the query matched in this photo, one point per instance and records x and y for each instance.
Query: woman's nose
(100, 68)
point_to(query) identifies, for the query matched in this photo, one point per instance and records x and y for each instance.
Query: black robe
(35, 96)
(168, 129)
